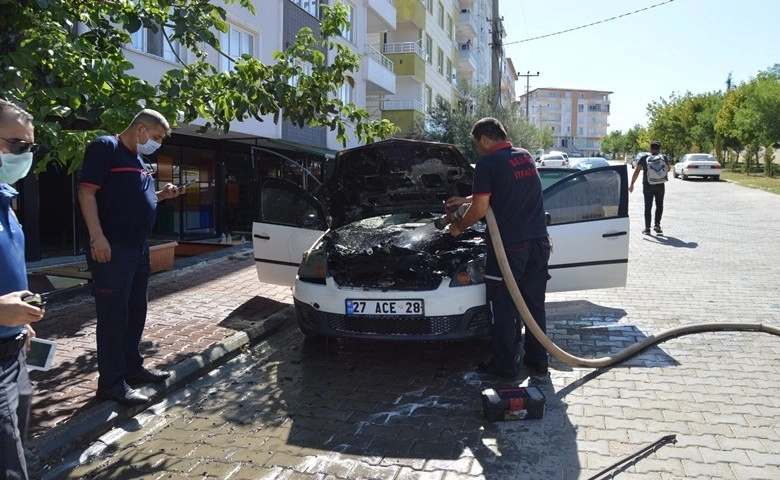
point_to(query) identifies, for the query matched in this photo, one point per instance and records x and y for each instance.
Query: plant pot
(162, 255)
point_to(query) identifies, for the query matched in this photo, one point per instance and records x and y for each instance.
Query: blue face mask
(14, 166)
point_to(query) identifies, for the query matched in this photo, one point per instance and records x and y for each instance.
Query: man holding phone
(17, 137)
(119, 201)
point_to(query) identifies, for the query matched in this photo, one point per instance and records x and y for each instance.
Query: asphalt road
(287, 409)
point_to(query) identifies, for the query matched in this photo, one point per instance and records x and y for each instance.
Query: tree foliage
(745, 119)
(64, 61)
(453, 123)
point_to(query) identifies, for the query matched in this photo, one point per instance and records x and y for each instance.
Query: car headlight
(470, 273)
(314, 266)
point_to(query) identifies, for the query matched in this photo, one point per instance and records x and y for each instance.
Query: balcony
(381, 15)
(379, 71)
(412, 11)
(408, 115)
(467, 63)
(467, 24)
(408, 59)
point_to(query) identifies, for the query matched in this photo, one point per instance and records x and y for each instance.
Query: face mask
(14, 166)
(147, 148)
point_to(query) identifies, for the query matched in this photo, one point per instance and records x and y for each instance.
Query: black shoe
(147, 376)
(536, 369)
(657, 229)
(123, 394)
(646, 231)
(491, 368)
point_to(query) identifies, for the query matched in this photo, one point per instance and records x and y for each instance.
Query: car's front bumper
(451, 313)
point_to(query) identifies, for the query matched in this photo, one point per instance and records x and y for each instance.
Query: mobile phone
(187, 183)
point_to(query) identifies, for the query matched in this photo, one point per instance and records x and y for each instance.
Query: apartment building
(413, 55)
(578, 119)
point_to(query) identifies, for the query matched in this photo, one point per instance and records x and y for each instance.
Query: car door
(290, 220)
(589, 227)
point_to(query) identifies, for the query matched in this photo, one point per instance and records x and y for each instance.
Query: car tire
(683, 176)
(716, 178)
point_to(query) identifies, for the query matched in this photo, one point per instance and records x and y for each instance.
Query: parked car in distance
(553, 160)
(697, 165)
(585, 163)
(365, 260)
(637, 157)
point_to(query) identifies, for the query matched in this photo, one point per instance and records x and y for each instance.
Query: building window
(440, 61)
(346, 32)
(429, 5)
(293, 81)
(429, 49)
(449, 27)
(311, 6)
(235, 42)
(428, 98)
(580, 108)
(155, 43)
(346, 93)
(440, 15)
(449, 70)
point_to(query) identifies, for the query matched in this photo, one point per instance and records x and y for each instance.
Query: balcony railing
(403, 105)
(405, 47)
(372, 52)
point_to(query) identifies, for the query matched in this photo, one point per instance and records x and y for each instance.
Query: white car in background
(365, 260)
(697, 165)
(553, 160)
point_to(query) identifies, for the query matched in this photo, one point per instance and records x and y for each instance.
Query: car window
(586, 196)
(551, 175)
(284, 203)
(700, 157)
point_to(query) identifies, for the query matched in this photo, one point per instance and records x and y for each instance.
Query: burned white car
(365, 259)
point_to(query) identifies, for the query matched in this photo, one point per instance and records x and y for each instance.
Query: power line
(590, 24)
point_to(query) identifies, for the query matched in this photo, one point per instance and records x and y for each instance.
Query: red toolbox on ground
(517, 403)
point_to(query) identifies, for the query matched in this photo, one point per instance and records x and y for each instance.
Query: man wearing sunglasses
(119, 201)
(16, 155)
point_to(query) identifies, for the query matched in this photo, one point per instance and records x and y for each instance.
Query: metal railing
(403, 105)
(374, 53)
(405, 47)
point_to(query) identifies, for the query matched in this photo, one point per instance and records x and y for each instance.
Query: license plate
(385, 307)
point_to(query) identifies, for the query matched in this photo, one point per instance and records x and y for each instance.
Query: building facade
(413, 56)
(578, 119)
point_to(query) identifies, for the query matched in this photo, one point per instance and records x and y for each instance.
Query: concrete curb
(93, 422)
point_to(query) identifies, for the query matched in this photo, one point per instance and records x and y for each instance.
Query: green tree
(63, 60)
(453, 123)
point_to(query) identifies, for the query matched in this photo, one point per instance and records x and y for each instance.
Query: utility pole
(527, 76)
(497, 53)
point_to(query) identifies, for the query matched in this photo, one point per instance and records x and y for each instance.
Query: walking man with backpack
(655, 172)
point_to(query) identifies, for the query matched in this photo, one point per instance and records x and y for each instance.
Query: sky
(677, 46)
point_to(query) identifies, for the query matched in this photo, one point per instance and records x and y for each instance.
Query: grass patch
(759, 181)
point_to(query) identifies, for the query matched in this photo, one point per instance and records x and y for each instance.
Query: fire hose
(560, 354)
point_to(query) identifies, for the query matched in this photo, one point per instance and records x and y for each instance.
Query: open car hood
(394, 176)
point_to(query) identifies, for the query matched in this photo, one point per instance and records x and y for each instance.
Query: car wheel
(683, 176)
(716, 178)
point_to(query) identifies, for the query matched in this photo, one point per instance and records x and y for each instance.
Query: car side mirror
(548, 217)
(310, 221)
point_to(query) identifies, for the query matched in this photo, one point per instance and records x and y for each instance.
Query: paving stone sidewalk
(198, 312)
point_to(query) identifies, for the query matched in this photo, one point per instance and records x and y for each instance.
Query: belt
(11, 346)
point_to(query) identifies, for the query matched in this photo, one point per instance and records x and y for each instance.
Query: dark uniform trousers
(120, 290)
(15, 403)
(529, 266)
